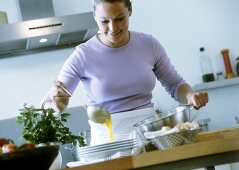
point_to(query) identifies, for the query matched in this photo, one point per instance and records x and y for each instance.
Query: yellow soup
(108, 123)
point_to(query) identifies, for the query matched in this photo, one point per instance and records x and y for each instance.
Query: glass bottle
(237, 67)
(206, 67)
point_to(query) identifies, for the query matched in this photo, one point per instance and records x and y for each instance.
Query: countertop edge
(166, 156)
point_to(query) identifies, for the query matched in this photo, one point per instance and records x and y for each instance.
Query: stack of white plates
(106, 150)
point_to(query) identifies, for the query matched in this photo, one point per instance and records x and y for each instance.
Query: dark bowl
(39, 158)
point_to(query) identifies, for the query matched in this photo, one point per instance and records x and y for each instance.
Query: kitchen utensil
(169, 118)
(65, 90)
(175, 139)
(39, 158)
(97, 114)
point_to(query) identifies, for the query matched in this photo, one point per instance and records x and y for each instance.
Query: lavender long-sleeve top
(120, 79)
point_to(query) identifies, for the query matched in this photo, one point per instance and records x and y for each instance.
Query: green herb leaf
(42, 126)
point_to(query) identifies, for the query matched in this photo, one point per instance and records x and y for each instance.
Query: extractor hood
(58, 32)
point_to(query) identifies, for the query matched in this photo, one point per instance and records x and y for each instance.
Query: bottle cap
(224, 51)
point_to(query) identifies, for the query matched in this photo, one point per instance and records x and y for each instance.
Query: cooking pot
(169, 118)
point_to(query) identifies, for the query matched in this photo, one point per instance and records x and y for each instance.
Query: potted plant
(42, 126)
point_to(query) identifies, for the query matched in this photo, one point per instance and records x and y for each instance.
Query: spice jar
(227, 63)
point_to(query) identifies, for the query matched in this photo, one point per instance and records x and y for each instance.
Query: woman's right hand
(59, 97)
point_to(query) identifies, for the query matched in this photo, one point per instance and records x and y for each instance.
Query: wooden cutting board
(218, 134)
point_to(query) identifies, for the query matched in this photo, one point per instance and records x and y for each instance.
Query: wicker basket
(175, 139)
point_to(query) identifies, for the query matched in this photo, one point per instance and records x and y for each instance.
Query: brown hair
(126, 2)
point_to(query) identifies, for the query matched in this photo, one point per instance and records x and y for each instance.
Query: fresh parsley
(42, 126)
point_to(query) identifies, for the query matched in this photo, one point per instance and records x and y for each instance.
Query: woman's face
(113, 22)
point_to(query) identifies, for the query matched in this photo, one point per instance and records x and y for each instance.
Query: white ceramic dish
(106, 154)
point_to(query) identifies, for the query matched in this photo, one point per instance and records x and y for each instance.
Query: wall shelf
(217, 84)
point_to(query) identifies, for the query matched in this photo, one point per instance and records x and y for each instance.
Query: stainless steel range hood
(60, 32)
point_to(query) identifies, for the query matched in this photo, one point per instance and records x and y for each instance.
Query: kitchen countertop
(211, 148)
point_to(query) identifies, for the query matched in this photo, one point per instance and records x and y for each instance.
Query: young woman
(118, 69)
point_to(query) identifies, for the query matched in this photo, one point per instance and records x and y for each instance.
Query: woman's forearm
(184, 93)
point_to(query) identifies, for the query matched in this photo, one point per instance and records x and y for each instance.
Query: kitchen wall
(182, 26)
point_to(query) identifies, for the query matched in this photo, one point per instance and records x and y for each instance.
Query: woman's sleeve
(70, 74)
(165, 71)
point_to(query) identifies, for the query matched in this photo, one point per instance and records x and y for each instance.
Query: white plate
(106, 154)
(106, 145)
(107, 148)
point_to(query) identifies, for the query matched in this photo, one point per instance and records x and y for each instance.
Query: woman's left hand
(198, 99)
